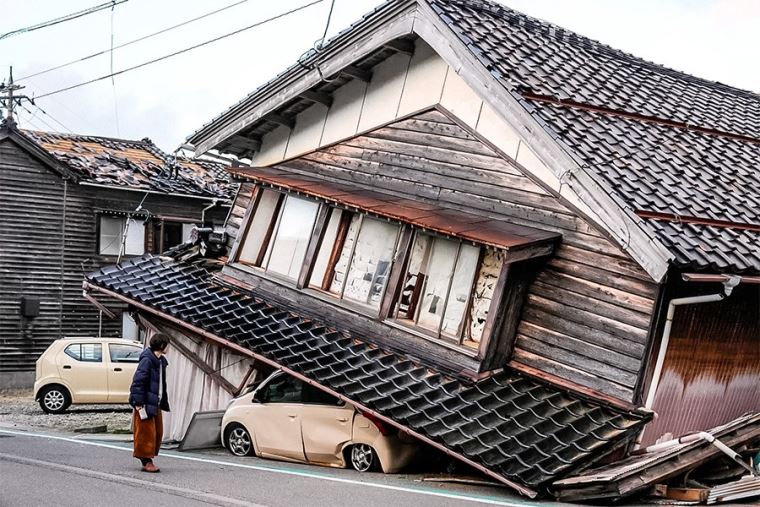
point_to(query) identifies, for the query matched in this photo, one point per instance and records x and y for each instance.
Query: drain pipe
(728, 287)
(203, 212)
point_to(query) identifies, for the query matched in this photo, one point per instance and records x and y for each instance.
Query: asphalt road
(39, 469)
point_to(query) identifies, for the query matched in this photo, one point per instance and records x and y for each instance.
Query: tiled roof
(521, 429)
(136, 165)
(530, 54)
(627, 121)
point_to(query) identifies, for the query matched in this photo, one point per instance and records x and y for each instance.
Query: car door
(326, 425)
(82, 368)
(277, 421)
(122, 363)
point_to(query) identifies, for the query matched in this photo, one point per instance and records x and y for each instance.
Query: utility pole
(8, 99)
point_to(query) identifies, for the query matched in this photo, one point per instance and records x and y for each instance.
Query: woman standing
(148, 397)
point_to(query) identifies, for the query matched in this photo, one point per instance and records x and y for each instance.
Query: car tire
(238, 441)
(363, 458)
(54, 399)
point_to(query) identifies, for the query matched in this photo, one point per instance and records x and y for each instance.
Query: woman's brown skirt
(147, 435)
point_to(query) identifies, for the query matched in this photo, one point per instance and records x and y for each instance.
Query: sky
(169, 100)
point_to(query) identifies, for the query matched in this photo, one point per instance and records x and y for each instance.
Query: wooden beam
(317, 234)
(208, 370)
(357, 73)
(246, 222)
(98, 304)
(396, 277)
(245, 380)
(281, 120)
(317, 97)
(248, 143)
(400, 46)
(529, 252)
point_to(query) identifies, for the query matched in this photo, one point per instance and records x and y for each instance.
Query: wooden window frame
(392, 305)
(147, 237)
(500, 310)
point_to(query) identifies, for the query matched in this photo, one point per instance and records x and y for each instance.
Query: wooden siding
(40, 258)
(587, 314)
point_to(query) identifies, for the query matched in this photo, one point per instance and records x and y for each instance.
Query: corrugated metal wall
(711, 373)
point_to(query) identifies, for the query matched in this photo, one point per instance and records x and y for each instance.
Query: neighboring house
(471, 223)
(70, 204)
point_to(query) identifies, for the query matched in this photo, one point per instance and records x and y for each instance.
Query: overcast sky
(167, 101)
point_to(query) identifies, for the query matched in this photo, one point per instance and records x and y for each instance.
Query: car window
(124, 353)
(86, 352)
(284, 389)
(316, 396)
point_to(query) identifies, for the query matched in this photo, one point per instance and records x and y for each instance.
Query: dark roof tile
(523, 429)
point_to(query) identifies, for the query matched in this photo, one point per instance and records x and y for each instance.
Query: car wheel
(54, 399)
(364, 458)
(239, 441)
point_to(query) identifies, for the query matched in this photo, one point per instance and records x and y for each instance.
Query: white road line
(131, 481)
(290, 471)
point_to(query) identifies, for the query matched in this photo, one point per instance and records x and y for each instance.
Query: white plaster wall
(384, 92)
(343, 116)
(399, 86)
(307, 131)
(460, 99)
(424, 81)
(273, 146)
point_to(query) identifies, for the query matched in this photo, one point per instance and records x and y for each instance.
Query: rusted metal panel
(711, 372)
(469, 226)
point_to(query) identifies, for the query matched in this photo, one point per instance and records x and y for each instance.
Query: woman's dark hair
(159, 341)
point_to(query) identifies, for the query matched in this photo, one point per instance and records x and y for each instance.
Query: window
(112, 230)
(279, 233)
(284, 389)
(355, 257)
(87, 352)
(315, 396)
(124, 353)
(172, 234)
(438, 286)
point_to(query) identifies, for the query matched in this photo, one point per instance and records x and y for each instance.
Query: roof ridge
(572, 37)
(145, 141)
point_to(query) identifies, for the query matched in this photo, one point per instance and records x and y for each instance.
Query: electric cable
(62, 19)
(134, 41)
(181, 51)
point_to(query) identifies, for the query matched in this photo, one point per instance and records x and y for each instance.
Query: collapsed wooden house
(474, 225)
(70, 204)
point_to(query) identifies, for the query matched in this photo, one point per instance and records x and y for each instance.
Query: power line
(181, 51)
(62, 19)
(134, 41)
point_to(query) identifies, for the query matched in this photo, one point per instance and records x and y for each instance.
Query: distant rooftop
(137, 165)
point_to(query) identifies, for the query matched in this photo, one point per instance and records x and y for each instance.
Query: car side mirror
(258, 396)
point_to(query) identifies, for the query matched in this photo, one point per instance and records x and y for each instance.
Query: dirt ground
(18, 408)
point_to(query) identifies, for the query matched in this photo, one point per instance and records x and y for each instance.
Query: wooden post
(397, 272)
(315, 242)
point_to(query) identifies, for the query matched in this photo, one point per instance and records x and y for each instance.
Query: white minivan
(85, 370)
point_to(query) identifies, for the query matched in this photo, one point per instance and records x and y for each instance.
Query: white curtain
(190, 389)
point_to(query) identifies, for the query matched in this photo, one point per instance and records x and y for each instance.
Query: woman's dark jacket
(144, 389)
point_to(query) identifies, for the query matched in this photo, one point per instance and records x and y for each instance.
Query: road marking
(131, 481)
(464, 497)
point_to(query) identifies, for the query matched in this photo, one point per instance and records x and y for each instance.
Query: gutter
(728, 286)
(222, 202)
